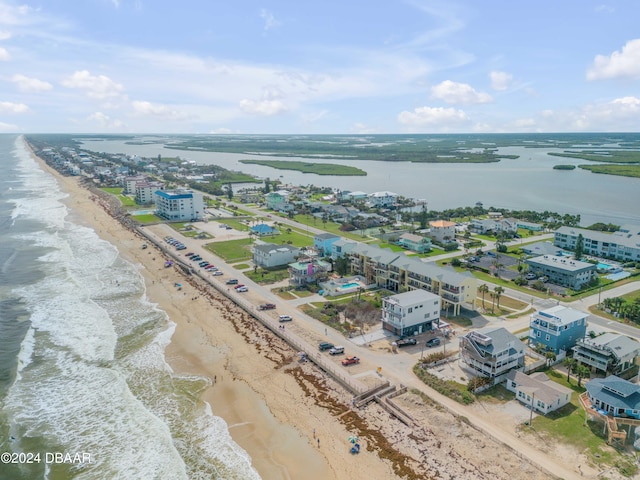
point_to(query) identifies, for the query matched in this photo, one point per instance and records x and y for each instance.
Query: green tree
(570, 363)
(229, 191)
(550, 357)
(582, 371)
(267, 185)
(499, 291)
(483, 289)
(579, 251)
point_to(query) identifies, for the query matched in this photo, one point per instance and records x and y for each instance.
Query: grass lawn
(567, 425)
(294, 238)
(241, 266)
(393, 247)
(331, 227)
(496, 395)
(149, 218)
(518, 315)
(264, 277)
(285, 295)
(512, 303)
(232, 250)
(117, 191)
(485, 277)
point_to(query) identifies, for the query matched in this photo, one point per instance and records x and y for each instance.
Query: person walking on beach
(318, 443)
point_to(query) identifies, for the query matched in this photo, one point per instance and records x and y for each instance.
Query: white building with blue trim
(179, 205)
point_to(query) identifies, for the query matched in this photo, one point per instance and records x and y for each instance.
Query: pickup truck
(405, 342)
(350, 361)
(267, 306)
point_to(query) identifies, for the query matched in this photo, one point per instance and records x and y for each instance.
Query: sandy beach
(292, 419)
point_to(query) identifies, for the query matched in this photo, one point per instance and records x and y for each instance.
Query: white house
(538, 391)
(410, 312)
(179, 205)
(491, 351)
(271, 255)
(442, 231)
(382, 199)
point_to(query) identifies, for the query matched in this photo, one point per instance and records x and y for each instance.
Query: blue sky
(348, 66)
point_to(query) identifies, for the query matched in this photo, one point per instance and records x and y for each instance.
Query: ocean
(82, 368)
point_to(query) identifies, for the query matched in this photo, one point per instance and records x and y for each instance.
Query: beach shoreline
(275, 408)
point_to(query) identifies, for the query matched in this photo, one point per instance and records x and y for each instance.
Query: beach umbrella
(353, 439)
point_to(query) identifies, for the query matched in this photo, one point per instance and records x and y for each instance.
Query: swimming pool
(603, 266)
(349, 285)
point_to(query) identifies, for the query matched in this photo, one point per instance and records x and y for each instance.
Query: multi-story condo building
(398, 272)
(562, 270)
(557, 328)
(623, 245)
(607, 353)
(146, 190)
(179, 205)
(130, 182)
(491, 351)
(410, 312)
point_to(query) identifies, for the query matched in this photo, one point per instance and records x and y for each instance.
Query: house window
(538, 334)
(547, 337)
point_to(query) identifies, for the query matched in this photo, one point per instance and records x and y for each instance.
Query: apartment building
(623, 245)
(410, 312)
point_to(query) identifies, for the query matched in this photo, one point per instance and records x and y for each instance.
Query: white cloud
(4, 54)
(362, 128)
(459, 93)
(27, 84)
(7, 127)
(95, 86)
(433, 116)
(104, 121)
(619, 64)
(263, 107)
(4, 35)
(157, 110)
(500, 80)
(269, 20)
(9, 107)
(10, 15)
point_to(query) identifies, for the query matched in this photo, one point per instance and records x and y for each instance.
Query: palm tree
(550, 357)
(582, 371)
(499, 291)
(483, 289)
(570, 363)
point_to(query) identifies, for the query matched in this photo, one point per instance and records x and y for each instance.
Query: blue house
(323, 242)
(263, 229)
(615, 396)
(557, 329)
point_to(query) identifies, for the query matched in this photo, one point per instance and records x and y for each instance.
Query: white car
(285, 318)
(242, 289)
(217, 272)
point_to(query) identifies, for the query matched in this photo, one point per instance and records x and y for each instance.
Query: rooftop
(563, 263)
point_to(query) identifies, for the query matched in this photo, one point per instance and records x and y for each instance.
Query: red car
(238, 286)
(350, 361)
(267, 306)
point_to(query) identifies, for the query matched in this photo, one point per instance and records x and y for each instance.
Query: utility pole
(533, 399)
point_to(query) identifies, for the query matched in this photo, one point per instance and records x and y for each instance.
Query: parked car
(217, 272)
(266, 306)
(242, 289)
(350, 361)
(196, 258)
(337, 350)
(544, 279)
(434, 342)
(325, 346)
(405, 342)
(239, 286)
(190, 254)
(285, 318)
(204, 263)
(530, 276)
(232, 281)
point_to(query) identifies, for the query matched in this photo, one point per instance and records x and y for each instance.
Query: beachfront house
(623, 245)
(416, 243)
(179, 205)
(145, 191)
(563, 270)
(411, 312)
(270, 255)
(537, 391)
(491, 352)
(614, 396)
(341, 247)
(557, 329)
(263, 229)
(307, 271)
(608, 353)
